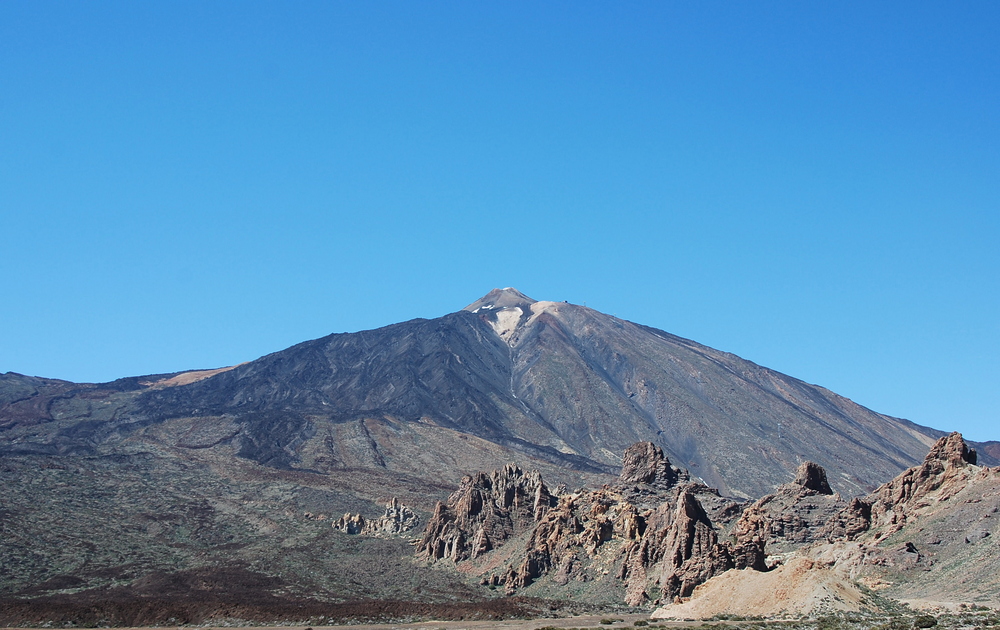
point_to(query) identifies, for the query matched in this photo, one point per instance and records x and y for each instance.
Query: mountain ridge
(556, 382)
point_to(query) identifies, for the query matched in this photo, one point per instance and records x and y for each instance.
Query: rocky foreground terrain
(505, 544)
(656, 536)
(337, 479)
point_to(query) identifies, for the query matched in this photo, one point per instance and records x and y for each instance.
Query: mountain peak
(507, 297)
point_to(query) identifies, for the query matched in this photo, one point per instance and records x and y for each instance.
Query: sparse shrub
(827, 623)
(640, 623)
(894, 624)
(924, 621)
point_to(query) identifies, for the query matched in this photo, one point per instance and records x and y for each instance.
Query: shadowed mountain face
(553, 384)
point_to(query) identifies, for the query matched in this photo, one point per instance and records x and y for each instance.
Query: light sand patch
(543, 307)
(801, 587)
(187, 378)
(506, 322)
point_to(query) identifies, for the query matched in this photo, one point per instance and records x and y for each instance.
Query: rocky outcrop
(485, 511)
(750, 536)
(651, 527)
(571, 533)
(645, 466)
(850, 522)
(952, 450)
(350, 523)
(812, 476)
(660, 534)
(796, 514)
(656, 535)
(945, 471)
(398, 519)
(820, 547)
(679, 551)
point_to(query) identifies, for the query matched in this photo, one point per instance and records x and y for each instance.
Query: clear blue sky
(812, 186)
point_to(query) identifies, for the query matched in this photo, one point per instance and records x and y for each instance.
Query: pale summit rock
(508, 297)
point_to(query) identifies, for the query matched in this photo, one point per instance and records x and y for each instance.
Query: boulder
(812, 476)
(645, 464)
(398, 519)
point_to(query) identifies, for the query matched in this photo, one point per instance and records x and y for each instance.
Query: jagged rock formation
(350, 523)
(398, 519)
(850, 522)
(644, 466)
(680, 550)
(667, 549)
(569, 533)
(485, 511)
(934, 528)
(653, 531)
(947, 467)
(799, 513)
(928, 534)
(812, 476)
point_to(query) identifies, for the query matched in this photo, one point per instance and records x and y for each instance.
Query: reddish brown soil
(201, 596)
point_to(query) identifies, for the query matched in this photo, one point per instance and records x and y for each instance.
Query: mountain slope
(556, 383)
(606, 383)
(552, 380)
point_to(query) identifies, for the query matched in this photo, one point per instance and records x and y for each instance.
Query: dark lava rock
(644, 463)
(812, 477)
